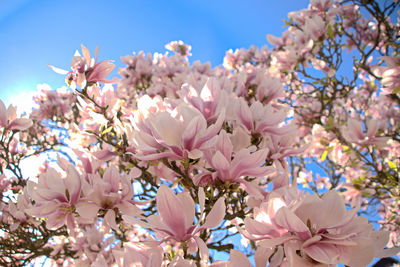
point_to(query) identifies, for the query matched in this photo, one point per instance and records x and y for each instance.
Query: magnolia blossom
(353, 133)
(316, 230)
(139, 255)
(261, 119)
(17, 210)
(110, 193)
(178, 134)
(175, 218)
(232, 167)
(56, 197)
(210, 100)
(179, 47)
(9, 120)
(85, 70)
(91, 245)
(390, 74)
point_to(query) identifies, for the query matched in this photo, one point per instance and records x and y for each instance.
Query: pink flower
(353, 133)
(175, 218)
(55, 197)
(315, 27)
(233, 167)
(320, 229)
(210, 100)
(139, 255)
(179, 47)
(8, 119)
(85, 70)
(261, 119)
(181, 133)
(110, 193)
(390, 74)
(17, 210)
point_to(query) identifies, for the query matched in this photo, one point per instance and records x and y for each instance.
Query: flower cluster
(275, 154)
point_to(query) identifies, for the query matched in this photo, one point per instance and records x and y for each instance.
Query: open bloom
(353, 133)
(85, 70)
(261, 119)
(111, 193)
(232, 167)
(139, 255)
(55, 197)
(9, 120)
(178, 134)
(317, 230)
(210, 100)
(175, 218)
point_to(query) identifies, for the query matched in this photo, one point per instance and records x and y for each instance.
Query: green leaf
(329, 31)
(366, 194)
(396, 90)
(392, 165)
(107, 130)
(323, 157)
(286, 23)
(129, 166)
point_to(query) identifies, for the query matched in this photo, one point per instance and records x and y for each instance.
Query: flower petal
(216, 214)
(20, 124)
(238, 259)
(288, 220)
(171, 210)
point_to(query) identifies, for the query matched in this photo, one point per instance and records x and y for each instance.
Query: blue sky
(35, 33)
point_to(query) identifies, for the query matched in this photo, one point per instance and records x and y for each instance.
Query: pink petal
(358, 256)
(166, 129)
(202, 199)
(196, 126)
(355, 128)
(216, 214)
(323, 253)
(189, 208)
(333, 208)
(224, 145)
(380, 240)
(100, 71)
(104, 154)
(171, 210)
(86, 54)
(219, 162)
(58, 70)
(273, 242)
(203, 249)
(238, 259)
(129, 209)
(112, 177)
(277, 258)
(288, 220)
(87, 210)
(242, 111)
(372, 128)
(20, 124)
(212, 130)
(73, 184)
(259, 228)
(109, 219)
(3, 114)
(262, 255)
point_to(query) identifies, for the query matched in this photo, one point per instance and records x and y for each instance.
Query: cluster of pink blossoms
(180, 164)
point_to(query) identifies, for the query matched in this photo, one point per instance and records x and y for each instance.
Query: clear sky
(35, 33)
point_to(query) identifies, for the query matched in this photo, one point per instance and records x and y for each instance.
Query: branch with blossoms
(178, 163)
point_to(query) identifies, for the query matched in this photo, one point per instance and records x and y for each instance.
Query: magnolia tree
(274, 156)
